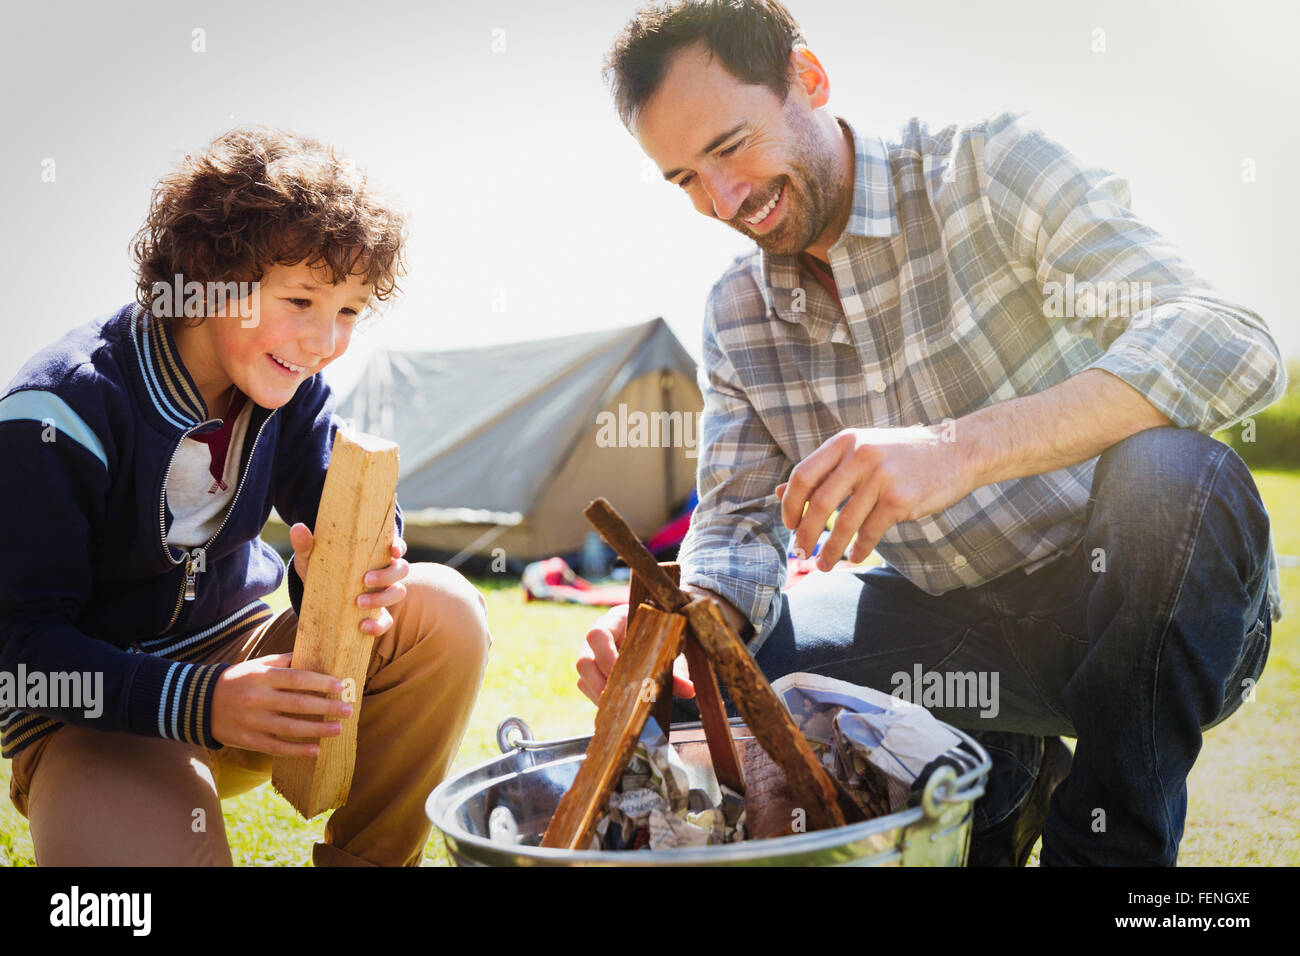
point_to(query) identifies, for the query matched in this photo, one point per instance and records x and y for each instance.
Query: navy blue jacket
(88, 583)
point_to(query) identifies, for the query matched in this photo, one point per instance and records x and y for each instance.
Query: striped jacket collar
(169, 391)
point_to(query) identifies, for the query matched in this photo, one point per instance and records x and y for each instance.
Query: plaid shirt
(979, 264)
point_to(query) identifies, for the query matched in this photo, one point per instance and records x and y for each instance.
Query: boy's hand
(389, 578)
(252, 701)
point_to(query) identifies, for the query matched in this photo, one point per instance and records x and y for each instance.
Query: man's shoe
(1011, 841)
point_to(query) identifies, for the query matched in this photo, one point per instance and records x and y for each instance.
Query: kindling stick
(654, 640)
(636, 596)
(708, 696)
(811, 784)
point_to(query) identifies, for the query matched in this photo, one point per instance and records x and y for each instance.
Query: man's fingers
(847, 523)
(615, 622)
(807, 475)
(873, 529)
(588, 692)
(828, 495)
(590, 679)
(603, 651)
(597, 659)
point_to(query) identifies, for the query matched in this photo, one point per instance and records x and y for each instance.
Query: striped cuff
(173, 700)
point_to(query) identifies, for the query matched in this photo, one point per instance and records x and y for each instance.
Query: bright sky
(490, 121)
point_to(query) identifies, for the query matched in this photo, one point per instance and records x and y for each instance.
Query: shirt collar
(873, 215)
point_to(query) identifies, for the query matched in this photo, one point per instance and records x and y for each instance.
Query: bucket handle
(509, 726)
(942, 788)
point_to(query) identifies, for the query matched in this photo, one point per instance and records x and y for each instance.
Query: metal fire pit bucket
(533, 774)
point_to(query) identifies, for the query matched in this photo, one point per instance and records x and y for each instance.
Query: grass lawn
(1242, 807)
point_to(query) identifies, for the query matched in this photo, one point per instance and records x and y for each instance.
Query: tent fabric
(511, 432)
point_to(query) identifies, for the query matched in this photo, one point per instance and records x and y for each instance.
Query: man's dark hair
(752, 38)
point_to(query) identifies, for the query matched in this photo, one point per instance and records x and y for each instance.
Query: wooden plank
(812, 786)
(652, 643)
(713, 714)
(354, 527)
(637, 595)
(611, 526)
(824, 799)
(646, 586)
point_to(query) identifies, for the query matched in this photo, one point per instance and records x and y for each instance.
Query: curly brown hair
(256, 197)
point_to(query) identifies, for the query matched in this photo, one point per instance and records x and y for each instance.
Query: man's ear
(810, 76)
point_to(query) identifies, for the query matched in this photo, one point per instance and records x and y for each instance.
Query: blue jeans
(1151, 631)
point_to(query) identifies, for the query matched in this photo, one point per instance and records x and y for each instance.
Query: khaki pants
(95, 798)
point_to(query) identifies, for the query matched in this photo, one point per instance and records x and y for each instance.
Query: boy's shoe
(1012, 840)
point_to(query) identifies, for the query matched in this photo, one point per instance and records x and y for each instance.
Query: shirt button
(880, 385)
(959, 561)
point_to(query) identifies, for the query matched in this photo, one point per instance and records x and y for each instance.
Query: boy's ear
(810, 76)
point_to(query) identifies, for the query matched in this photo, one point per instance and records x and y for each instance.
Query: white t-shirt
(198, 502)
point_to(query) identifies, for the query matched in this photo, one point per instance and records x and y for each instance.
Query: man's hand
(252, 700)
(388, 577)
(597, 658)
(606, 636)
(888, 475)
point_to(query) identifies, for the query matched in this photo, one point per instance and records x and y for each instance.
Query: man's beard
(809, 196)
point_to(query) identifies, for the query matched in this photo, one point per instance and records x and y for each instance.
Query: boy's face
(299, 324)
(734, 148)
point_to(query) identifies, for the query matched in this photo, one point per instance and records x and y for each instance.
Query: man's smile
(764, 214)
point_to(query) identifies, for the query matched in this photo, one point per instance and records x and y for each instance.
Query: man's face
(298, 320)
(740, 154)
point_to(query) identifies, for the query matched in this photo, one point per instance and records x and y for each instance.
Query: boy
(145, 452)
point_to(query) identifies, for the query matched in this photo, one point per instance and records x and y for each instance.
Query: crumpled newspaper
(662, 804)
(851, 727)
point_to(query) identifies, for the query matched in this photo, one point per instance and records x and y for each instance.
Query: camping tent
(503, 447)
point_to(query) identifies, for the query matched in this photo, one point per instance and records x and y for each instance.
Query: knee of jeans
(456, 609)
(1144, 480)
(1169, 460)
(1180, 466)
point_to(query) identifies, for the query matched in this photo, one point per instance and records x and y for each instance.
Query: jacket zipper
(189, 586)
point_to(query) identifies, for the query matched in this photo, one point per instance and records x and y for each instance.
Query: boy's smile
(300, 324)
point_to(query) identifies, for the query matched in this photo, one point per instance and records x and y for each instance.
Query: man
(966, 343)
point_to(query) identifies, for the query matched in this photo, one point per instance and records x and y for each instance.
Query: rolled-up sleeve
(1200, 359)
(736, 544)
